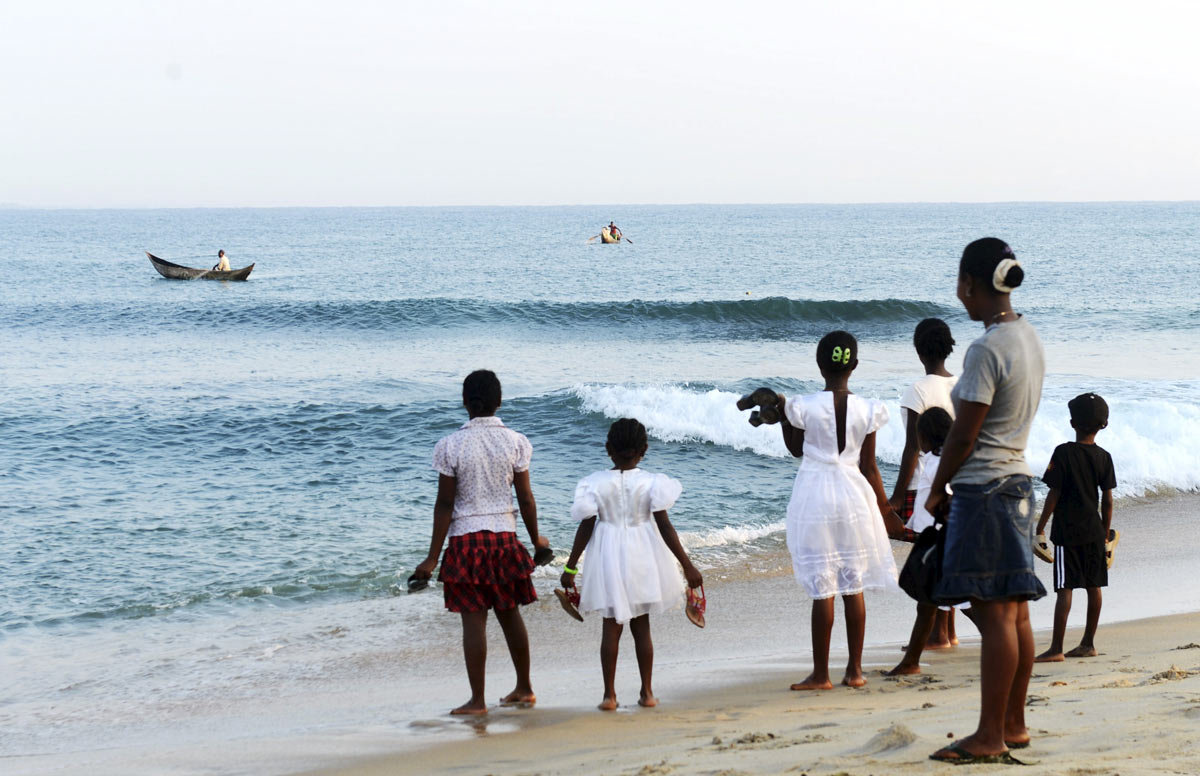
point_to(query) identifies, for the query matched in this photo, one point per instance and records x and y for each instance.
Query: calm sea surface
(184, 458)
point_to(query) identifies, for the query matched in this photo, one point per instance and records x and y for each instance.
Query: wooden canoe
(608, 237)
(179, 272)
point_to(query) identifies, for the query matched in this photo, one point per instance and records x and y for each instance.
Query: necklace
(996, 318)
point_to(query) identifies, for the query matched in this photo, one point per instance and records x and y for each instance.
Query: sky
(174, 104)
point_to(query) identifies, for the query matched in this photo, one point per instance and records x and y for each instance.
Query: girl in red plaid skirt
(485, 567)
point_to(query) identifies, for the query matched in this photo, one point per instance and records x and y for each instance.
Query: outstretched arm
(676, 547)
(443, 510)
(1048, 509)
(1106, 510)
(870, 469)
(528, 508)
(959, 444)
(908, 460)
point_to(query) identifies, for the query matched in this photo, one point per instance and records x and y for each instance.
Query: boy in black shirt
(1081, 480)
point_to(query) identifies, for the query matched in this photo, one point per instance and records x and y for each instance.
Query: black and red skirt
(485, 570)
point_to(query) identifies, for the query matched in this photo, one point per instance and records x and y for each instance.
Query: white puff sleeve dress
(835, 531)
(628, 570)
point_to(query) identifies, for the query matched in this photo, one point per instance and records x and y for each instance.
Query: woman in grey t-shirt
(988, 558)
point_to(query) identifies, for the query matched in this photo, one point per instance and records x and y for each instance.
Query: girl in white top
(838, 520)
(485, 567)
(934, 344)
(632, 550)
(934, 625)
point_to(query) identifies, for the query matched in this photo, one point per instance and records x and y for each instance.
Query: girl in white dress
(632, 550)
(839, 518)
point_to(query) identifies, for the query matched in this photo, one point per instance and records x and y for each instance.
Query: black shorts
(1081, 565)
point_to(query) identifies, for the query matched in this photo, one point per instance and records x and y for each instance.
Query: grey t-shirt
(1004, 369)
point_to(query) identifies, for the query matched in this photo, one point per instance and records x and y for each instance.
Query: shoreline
(1134, 707)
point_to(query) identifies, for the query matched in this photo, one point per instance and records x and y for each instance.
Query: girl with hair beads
(485, 567)
(837, 516)
(631, 551)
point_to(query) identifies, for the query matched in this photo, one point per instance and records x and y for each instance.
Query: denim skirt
(989, 543)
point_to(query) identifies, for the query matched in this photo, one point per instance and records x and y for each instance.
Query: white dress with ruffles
(629, 570)
(835, 531)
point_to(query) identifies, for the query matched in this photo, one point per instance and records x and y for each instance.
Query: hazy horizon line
(21, 207)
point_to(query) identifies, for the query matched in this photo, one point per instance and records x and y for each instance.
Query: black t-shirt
(1079, 472)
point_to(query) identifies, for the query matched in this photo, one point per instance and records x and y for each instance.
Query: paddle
(592, 238)
(628, 240)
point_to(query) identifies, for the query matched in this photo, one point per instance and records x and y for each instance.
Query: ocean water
(194, 475)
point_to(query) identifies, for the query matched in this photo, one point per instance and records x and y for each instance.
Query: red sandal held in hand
(696, 604)
(569, 598)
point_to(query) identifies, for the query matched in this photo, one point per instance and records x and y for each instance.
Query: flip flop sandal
(1110, 546)
(416, 585)
(696, 604)
(1043, 549)
(964, 757)
(570, 601)
(760, 397)
(1017, 744)
(543, 556)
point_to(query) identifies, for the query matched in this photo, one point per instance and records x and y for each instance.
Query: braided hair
(627, 438)
(837, 352)
(481, 392)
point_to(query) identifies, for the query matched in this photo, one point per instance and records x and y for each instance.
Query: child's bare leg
(475, 652)
(911, 664)
(610, 641)
(1062, 608)
(640, 628)
(856, 631)
(951, 634)
(938, 636)
(517, 639)
(822, 630)
(1015, 731)
(1087, 645)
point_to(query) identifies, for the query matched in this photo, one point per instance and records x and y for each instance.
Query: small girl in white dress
(632, 550)
(836, 519)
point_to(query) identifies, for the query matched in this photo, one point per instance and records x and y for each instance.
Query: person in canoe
(614, 231)
(222, 264)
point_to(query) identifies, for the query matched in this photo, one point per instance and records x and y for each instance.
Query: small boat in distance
(179, 272)
(607, 236)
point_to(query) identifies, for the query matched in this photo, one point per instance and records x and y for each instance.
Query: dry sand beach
(1134, 709)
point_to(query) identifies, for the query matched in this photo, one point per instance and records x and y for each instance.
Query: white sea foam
(726, 535)
(1155, 443)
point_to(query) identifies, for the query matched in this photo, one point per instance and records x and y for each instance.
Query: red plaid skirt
(910, 501)
(485, 570)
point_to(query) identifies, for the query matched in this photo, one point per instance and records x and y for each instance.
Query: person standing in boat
(222, 264)
(614, 231)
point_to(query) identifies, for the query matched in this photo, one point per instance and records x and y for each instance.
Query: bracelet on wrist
(569, 570)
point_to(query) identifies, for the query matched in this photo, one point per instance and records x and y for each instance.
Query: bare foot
(938, 644)
(1082, 651)
(1049, 657)
(524, 698)
(954, 641)
(648, 700)
(471, 707)
(903, 669)
(858, 680)
(814, 683)
(608, 704)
